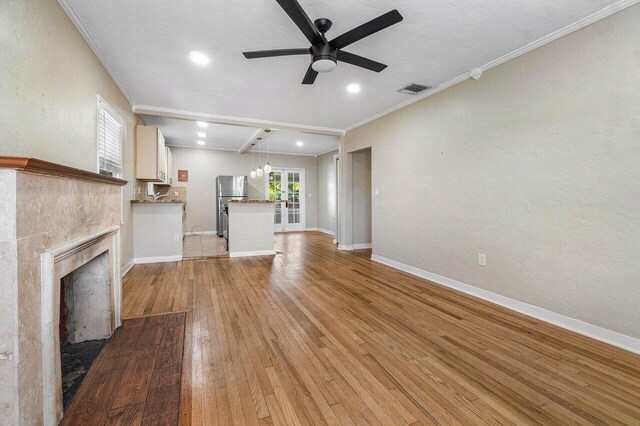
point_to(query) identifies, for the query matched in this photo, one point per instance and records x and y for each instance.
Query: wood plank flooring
(318, 336)
(136, 378)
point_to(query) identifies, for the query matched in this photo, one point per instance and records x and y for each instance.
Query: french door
(285, 187)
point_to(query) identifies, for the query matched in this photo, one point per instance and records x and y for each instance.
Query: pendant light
(253, 160)
(267, 167)
(259, 171)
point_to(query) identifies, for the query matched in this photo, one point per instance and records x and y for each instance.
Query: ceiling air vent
(414, 89)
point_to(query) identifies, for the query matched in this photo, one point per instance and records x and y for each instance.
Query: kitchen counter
(157, 231)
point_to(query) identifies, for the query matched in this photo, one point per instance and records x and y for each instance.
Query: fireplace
(84, 322)
(54, 220)
(80, 303)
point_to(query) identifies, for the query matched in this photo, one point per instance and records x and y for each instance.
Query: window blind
(109, 140)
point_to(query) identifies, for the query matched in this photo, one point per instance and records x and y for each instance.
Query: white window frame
(103, 105)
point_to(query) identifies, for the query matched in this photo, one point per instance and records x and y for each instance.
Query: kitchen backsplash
(169, 191)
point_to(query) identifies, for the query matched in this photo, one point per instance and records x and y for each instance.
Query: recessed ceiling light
(198, 58)
(200, 142)
(353, 88)
(202, 124)
(300, 143)
(201, 134)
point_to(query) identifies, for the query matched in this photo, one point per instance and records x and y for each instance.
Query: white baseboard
(311, 229)
(362, 246)
(159, 259)
(252, 253)
(326, 231)
(126, 268)
(201, 233)
(578, 326)
(354, 246)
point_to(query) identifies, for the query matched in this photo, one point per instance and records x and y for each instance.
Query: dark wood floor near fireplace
(136, 379)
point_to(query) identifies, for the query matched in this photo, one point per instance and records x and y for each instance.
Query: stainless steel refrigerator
(228, 188)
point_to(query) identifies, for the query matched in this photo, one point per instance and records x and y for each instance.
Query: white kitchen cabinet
(151, 161)
(168, 180)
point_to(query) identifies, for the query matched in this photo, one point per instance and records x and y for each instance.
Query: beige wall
(327, 189)
(537, 165)
(204, 165)
(361, 196)
(49, 82)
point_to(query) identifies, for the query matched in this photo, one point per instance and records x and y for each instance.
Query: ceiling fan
(326, 54)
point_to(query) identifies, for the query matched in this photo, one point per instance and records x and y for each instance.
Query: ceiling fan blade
(359, 61)
(276, 52)
(310, 76)
(365, 30)
(300, 18)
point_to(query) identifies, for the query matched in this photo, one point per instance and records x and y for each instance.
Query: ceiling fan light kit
(326, 54)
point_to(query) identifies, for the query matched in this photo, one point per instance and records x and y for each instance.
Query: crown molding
(71, 13)
(595, 17)
(235, 121)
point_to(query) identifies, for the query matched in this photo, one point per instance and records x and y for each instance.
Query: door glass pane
(293, 188)
(275, 194)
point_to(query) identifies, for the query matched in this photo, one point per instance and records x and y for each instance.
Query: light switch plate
(482, 259)
(377, 192)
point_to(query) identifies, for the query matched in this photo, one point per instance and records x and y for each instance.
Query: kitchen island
(250, 228)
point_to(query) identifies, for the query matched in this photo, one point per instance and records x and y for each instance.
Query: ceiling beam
(252, 141)
(234, 121)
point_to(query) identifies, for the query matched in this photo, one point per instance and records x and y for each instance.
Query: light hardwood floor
(318, 336)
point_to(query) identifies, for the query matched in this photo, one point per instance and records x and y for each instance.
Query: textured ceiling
(183, 133)
(146, 44)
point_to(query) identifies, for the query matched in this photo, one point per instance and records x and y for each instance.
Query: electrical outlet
(377, 192)
(176, 238)
(482, 259)
(176, 193)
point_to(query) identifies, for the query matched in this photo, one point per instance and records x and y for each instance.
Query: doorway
(361, 208)
(285, 187)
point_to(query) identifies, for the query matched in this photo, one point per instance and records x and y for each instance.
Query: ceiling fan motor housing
(325, 57)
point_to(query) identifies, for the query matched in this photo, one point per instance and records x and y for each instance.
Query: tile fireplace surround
(53, 220)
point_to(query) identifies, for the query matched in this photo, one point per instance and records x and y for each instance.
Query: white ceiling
(145, 44)
(280, 141)
(183, 133)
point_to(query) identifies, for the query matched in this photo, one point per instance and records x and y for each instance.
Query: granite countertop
(158, 202)
(251, 201)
